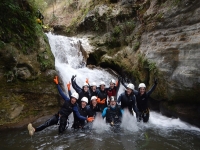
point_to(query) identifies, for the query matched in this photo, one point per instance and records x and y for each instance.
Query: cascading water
(159, 133)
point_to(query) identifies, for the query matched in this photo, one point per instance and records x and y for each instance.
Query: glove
(87, 81)
(155, 81)
(68, 86)
(116, 83)
(101, 101)
(56, 79)
(90, 119)
(73, 77)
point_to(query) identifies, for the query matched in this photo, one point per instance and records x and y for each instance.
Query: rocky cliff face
(26, 65)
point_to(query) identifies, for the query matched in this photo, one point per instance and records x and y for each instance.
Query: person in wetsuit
(61, 117)
(102, 96)
(83, 92)
(142, 101)
(113, 112)
(128, 99)
(83, 110)
(93, 108)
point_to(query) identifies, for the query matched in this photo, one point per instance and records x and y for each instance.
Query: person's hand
(116, 83)
(56, 79)
(98, 100)
(68, 86)
(90, 119)
(73, 77)
(155, 81)
(87, 81)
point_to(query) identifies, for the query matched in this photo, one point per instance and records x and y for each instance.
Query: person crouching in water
(61, 117)
(93, 108)
(128, 99)
(79, 123)
(113, 112)
(142, 100)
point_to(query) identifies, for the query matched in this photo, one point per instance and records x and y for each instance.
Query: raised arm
(60, 90)
(62, 94)
(152, 88)
(119, 98)
(118, 85)
(74, 85)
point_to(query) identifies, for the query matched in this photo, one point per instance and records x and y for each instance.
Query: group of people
(85, 102)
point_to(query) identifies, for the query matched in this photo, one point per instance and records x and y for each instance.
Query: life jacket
(77, 122)
(113, 114)
(112, 92)
(67, 108)
(127, 101)
(142, 102)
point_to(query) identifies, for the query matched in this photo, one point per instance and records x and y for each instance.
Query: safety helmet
(75, 95)
(142, 85)
(130, 86)
(93, 84)
(84, 99)
(112, 81)
(93, 98)
(85, 84)
(112, 98)
(102, 83)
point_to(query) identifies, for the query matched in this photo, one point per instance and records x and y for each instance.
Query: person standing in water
(61, 117)
(93, 108)
(142, 101)
(128, 99)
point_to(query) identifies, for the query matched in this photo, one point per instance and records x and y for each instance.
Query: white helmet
(112, 81)
(112, 98)
(102, 83)
(85, 84)
(84, 99)
(142, 85)
(130, 86)
(93, 84)
(93, 98)
(75, 95)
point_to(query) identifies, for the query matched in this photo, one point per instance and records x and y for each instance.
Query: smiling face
(102, 87)
(73, 100)
(94, 88)
(112, 85)
(85, 88)
(94, 102)
(142, 90)
(113, 103)
(83, 104)
(129, 91)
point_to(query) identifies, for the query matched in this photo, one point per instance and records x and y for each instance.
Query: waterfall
(70, 61)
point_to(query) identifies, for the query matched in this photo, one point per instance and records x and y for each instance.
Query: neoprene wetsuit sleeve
(104, 112)
(151, 90)
(77, 89)
(70, 93)
(75, 110)
(124, 84)
(62, 94)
